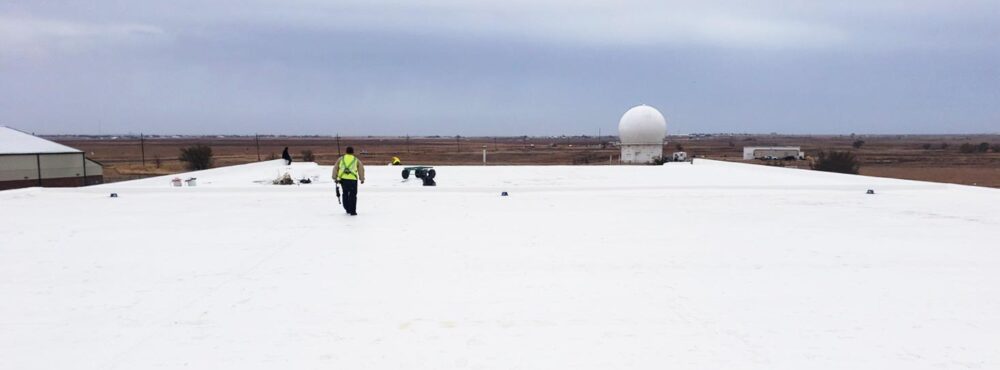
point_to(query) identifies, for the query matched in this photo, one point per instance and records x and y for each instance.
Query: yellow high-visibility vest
(348, 168)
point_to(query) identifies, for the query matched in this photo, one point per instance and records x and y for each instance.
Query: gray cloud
(30, 37)
(511, 68)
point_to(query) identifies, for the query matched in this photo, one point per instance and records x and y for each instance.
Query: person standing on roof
(286, 157)
(347, 172)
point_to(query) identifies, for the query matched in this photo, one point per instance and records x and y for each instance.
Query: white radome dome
(642, 125)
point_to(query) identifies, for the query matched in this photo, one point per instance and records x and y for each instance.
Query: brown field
(897, 156)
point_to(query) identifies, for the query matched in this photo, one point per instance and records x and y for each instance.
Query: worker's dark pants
(350, 195)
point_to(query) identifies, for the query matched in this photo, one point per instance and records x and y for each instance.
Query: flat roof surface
(710, 265)
(16, 142)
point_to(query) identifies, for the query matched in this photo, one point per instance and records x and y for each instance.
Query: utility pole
(338, 144)
(256, 139)
(407, 143)
(495, 143)
(142, 149)
(484, 155)
(458, 144)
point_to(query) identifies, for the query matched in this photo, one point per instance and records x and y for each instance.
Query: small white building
(27, 160)
(772, 152)
(641, 130)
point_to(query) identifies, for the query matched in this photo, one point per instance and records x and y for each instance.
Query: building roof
(710, 265)
(13, 141)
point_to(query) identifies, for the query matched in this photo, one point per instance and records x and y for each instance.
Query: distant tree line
(981, 148)
(967, 148)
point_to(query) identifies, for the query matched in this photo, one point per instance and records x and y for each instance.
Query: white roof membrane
(16, 142)
(706, 266)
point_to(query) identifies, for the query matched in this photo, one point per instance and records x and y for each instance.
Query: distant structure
(642, 130)
(772, 152)
(27, 160)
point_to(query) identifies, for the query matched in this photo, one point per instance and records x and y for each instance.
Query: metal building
(772, 152)
(27, 160)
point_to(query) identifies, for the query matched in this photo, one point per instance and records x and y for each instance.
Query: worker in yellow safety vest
(347, 172)
(396, 161)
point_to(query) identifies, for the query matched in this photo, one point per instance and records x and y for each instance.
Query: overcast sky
(498, 68)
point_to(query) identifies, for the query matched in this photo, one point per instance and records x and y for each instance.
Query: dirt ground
(924, 157)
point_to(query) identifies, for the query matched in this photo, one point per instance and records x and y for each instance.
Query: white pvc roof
(710, 265)
(16, 142)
